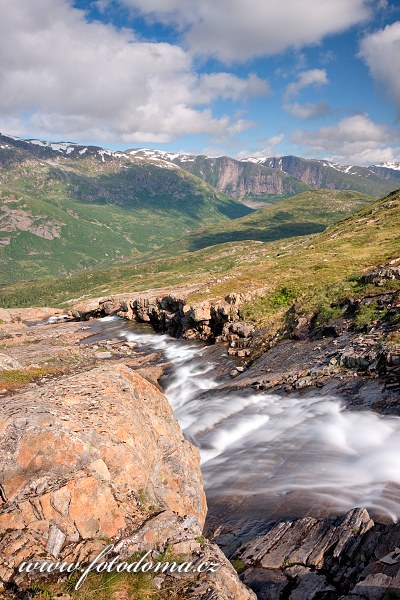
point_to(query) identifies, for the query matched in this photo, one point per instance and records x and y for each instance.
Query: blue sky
(316, 78)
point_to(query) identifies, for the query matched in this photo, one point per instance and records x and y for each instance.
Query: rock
(309, 542)
(240, 328)
(234, 373)
(7, 363)
(380, 275)
(102, 355)
(267, 584)
(224, 584)
(373, 587)
(15, 315)
(171, 313)
(89, 458)
(55, 541)
(311, 587)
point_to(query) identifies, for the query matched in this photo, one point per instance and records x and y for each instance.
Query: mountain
(315, 268)
(65, 207)
(325, 174)
(253, 184)
(387, 170)
(257, 181)
(304, 214)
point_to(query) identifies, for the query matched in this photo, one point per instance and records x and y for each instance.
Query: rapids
(271, 446)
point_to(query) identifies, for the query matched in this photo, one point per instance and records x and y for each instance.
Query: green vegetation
(15, 378)
(307, 213)
(316, 270)
(326, 313)
(238, 565)
(114, 585)
(369, 314)
(72, 215)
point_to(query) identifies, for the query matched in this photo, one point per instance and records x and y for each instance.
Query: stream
(280, 454)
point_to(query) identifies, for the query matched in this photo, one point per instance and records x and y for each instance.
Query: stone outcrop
(171, 312)
(331, 558)
(16, 315)
(97, 458)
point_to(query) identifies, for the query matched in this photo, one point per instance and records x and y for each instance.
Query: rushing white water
(273, 446)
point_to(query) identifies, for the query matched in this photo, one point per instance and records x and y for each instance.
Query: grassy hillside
(312, 269)
(307, 213)
(60, 215)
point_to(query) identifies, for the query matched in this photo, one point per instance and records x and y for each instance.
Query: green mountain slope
(314, 270)
(59, 214)
(307, 213)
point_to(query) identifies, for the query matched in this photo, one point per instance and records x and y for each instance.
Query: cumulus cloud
(308, 111)
(381, 52)
(312, 77)
(90, 80)
(268, 148)
(228, 86)
(236, 30)
(355, 140)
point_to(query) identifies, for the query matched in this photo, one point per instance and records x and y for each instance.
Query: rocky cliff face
(346, 557)
(323, 174)
(240, 179)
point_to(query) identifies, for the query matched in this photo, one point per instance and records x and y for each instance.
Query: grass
(79, 214)
(115, 586)
(316, 271)
(16, 378)
(368, 314)
(304, 214)
(238, 565)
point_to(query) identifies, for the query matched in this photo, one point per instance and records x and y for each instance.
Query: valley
(247, 359)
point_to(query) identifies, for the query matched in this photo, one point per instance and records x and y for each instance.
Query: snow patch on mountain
(393, 165)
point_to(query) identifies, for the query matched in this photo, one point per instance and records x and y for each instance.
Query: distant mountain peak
(393, 165)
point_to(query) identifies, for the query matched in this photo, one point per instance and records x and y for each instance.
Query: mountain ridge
(255, 181)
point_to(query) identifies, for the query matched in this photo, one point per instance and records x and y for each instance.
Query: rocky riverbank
(52, 383)
(92, 455)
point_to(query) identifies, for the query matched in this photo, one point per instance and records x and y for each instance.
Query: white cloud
(236, 30)
(381, 52)
(312, 77)
(269, 148)
(228, 86)
(355, 140)
(308, 111)
(89, 80)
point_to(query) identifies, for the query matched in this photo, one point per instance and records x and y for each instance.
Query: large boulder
(89, 458)
(97, 458)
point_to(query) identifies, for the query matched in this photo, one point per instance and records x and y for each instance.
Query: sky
(314, 78)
